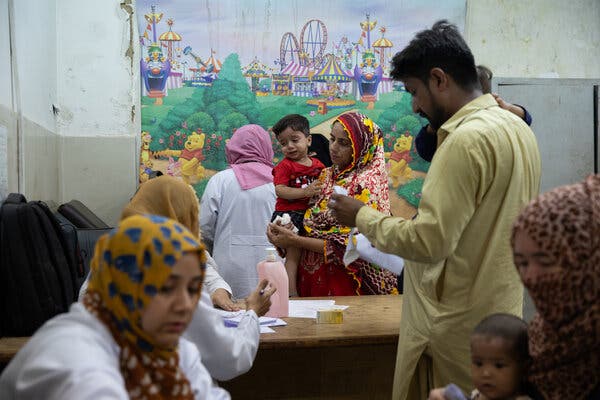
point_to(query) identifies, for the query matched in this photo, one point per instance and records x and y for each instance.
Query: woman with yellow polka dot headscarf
(124, 341)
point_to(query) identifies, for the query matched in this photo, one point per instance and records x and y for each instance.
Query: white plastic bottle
(273, 270)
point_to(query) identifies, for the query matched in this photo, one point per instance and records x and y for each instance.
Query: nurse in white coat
(228, 352)
(236, 208)
(124, 341)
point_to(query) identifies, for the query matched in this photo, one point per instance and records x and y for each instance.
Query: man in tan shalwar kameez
(459, 265)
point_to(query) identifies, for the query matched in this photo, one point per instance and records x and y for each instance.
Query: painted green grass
(152, 115)
(200, 187)
(419, 164)
(175, 96)
(411, 191)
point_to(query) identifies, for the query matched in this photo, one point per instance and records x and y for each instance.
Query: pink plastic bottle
(273, 270)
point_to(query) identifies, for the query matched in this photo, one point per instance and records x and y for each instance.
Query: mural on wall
(210, 67)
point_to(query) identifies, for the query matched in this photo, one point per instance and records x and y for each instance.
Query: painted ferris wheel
(309, 51)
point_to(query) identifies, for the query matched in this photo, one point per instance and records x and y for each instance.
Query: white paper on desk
(263, 321)
(360, 247)
(266, 329)
(308, 308)
(229, 314)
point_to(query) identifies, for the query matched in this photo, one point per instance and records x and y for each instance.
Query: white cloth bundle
(360, 247)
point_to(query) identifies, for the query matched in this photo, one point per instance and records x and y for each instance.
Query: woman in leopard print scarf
(556, 243)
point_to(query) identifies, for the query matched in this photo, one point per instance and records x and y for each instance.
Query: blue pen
(229, 323)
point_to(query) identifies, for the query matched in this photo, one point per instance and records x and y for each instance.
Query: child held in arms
(296, 181)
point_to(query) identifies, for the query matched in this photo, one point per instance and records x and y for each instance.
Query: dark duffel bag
(81, 216)
(38, 271)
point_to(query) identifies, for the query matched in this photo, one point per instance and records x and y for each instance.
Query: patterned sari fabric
(564, 337)
(129, 267)
(365, 179)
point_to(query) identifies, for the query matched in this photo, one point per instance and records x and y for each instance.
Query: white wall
(98, 103)
(97, 93)
(5, 80)
(77, 80)
(6, 112)
(35, 38)
(536, 38)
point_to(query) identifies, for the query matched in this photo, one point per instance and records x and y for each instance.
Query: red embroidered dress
(365, 179)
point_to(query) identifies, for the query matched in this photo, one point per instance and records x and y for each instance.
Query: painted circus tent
(209, 68)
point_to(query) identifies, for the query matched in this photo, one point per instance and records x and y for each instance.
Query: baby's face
(495, 371)
(294, 144)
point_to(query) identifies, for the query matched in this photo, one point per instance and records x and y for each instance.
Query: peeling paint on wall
(126, 5)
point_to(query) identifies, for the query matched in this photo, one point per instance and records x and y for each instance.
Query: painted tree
(173, 122)
(408, 123)
(201, 120)
(232, 88)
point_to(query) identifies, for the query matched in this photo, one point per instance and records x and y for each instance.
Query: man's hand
(222, 299)
(517, 110)
(260, 299)
(345, 208)
(437, 394)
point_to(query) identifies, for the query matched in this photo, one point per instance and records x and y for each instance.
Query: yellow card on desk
(330, 316)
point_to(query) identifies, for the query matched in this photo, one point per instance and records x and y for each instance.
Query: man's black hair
(295, 121)
(443, 47)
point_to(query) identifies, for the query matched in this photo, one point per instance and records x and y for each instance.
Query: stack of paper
(231, 319)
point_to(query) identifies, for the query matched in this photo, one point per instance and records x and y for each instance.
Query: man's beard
(437, 117)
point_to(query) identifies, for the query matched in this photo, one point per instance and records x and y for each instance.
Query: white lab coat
(226, 352)
(234, 225)
(212, 279)
(74, 356)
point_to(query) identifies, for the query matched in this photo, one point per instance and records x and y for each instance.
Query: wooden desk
(303, 360)
(9, 347)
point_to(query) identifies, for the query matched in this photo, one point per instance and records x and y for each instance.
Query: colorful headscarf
(167, 196)
(129, 267)
(249, 152)
(366, 179)
(565, 333)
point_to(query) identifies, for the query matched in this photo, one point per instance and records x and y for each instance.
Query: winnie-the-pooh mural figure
(399, 170)
(146, 163)
(190, 158)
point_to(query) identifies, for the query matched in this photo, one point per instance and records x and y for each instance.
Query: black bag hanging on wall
(38, 275)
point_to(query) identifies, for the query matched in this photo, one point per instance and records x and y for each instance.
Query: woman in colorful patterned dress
(356, 148)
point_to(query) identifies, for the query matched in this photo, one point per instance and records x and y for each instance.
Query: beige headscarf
(564, 336)
(169, 197)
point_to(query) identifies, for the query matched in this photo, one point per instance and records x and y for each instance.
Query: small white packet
(340, 190)
(360, 247)
(284, 220)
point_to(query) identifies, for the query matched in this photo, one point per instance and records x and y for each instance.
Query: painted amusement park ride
(368, 73)
(328, 78)
(155, 67)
